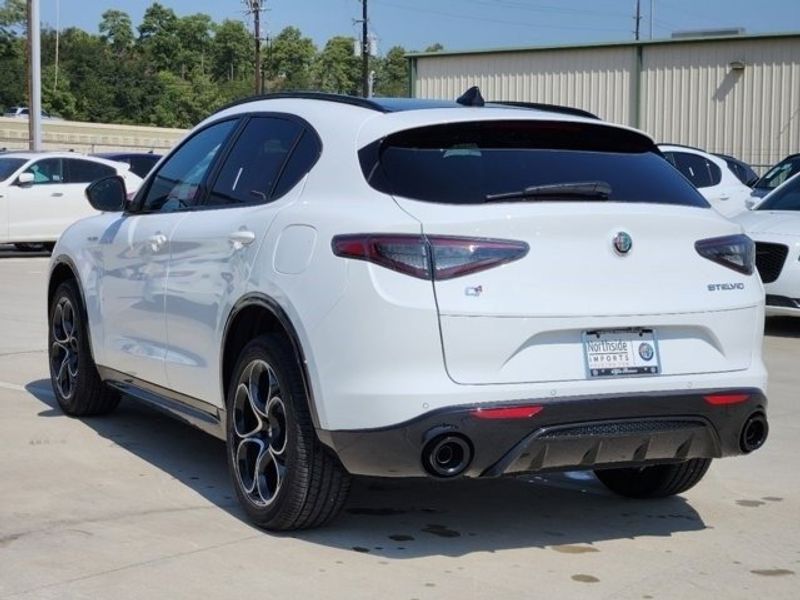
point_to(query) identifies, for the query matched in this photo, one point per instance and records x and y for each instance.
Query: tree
(437, 47)
(290, 59)
(337, 69)
(159, 38)
(116, 29)
(194, 39)
(231, 52)
(392, 74)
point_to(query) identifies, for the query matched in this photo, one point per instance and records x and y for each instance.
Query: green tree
(116, 29)
(158, 37)
(194, 39)
(337, 69)
(437, 47)
(391, 74)
(290, 60)
(231, 52)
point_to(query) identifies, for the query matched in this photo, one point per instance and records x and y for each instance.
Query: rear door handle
(240, 239)
(157, 241)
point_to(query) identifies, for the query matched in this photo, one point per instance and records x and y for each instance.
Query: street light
(35, 74)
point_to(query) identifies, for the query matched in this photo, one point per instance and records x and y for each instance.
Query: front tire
(283, 476)
(76, 383)
(657, 481)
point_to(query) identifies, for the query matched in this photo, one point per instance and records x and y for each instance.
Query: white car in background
(712, 177)
(41, 194)
(774, 225)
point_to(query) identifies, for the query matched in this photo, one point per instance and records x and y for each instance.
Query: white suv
(342, 286)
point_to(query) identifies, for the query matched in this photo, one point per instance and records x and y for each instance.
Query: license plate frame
(631, 352)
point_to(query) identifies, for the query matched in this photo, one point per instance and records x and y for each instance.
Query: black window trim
(305, 129)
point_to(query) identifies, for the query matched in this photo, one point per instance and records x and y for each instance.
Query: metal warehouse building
(736, 94)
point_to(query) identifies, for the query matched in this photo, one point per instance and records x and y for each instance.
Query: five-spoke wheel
(65, 348)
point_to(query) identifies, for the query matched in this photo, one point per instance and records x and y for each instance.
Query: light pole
(35, 74)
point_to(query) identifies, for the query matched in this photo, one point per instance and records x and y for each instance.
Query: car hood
(779, 222)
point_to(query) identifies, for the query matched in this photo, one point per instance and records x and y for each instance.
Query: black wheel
(657, 481)
(73, 374)
(284, 477)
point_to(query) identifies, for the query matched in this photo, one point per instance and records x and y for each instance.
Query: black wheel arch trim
(270, 304)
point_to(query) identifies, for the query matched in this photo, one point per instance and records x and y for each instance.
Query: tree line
(172, 71)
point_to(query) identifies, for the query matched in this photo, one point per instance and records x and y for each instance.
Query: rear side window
(779, 173)
(697, 169)
(463, 163)
(252, 168)
(84, 171)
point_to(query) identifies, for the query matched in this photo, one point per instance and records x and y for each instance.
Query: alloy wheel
(260, 433)
(64, 352)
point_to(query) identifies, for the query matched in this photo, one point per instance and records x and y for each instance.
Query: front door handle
(57, 194)
(157, 242)
(240, 239)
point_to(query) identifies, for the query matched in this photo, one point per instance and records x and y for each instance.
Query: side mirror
(25, 179)
(107, 194)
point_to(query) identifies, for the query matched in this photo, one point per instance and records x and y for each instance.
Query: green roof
(631, 43)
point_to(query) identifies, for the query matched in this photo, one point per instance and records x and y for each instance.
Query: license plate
(621, 353)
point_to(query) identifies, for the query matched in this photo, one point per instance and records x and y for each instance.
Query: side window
(142, 166)
(178, 183)
(694, 168)
(304, 156)
(49, 170)
(714, 172)
(84, 171)
(255, 163)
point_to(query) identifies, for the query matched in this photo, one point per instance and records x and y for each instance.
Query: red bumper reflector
(722, 399)
(513, 412)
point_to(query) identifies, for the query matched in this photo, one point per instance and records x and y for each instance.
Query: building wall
(682, 92)
(597, 80)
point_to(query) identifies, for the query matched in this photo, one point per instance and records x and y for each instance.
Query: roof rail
(325, 97)
(566, 110)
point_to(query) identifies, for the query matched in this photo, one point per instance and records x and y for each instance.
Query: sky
(466, 24)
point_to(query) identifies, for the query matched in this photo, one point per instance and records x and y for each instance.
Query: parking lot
(138, 505)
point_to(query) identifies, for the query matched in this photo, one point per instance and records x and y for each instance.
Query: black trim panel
(200, 414)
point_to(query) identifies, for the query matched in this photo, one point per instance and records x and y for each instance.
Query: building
(737, 94)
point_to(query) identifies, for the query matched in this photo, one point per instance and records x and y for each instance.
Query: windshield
(779, 173)
(787, 198)
(474, 162)
(9, 166)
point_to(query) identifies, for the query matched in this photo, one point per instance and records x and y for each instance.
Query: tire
(283, 476)
(658, 481)
(73, 373)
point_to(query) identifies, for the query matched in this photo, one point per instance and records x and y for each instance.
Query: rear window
(463, 163)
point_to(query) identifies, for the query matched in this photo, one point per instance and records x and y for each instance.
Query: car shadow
(787, 327)
(410, 518)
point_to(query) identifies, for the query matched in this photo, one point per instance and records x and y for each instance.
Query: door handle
(724, 197)
(240, 239)
(57, 194)
(157, 241)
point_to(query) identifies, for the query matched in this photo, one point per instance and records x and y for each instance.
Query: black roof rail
(324, 96)
(565, 110)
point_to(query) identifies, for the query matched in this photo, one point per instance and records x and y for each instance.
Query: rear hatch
(611, 253)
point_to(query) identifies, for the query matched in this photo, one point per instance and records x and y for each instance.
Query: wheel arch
(63, 269)
(254, 315)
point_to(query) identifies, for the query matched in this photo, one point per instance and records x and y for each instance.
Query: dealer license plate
(621, 353)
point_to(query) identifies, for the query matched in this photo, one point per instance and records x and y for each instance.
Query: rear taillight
(737, 252)
(429, 257)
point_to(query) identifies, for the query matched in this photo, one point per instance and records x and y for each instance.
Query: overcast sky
(465, 24)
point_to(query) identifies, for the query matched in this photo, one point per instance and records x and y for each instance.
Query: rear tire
(76, 383)
(284, 477)
(658, 481)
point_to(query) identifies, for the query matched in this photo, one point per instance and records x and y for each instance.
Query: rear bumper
(568, 433)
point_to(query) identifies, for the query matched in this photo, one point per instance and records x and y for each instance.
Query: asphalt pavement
(136, 505)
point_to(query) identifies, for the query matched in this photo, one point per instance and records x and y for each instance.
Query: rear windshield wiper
(576, 190)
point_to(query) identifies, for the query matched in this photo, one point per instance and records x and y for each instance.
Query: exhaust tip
(754, 433)
(447, 455)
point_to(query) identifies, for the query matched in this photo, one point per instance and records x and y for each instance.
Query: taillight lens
(429, 257)
(737, 252)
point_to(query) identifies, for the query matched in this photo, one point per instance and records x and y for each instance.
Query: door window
(178, 185)
(84, 171)
(697, 169)
(255, 163)
(48, 170)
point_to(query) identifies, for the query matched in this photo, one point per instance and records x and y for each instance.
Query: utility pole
(35, 76)
(365, 49)
(255, 8)
(638, 18)
(652, 16)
